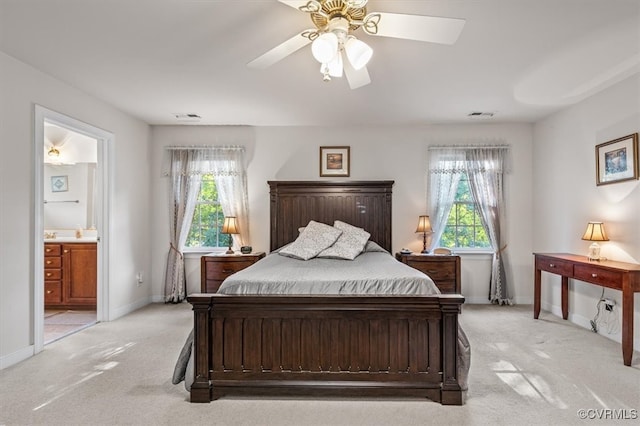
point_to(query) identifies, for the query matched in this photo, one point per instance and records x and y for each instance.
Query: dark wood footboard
(326, 345)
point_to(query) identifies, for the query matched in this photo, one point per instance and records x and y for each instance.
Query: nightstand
(444, 270)
(214, 268)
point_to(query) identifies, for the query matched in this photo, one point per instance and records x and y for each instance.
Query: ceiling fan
(338, 50)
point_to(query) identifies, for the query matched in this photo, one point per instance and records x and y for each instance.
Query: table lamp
(595, 232)
(230, 226)
(424, 226)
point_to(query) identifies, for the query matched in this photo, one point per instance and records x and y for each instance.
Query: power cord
(606, 317)
(594, 321)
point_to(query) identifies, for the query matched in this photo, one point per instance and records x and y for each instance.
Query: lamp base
(594, 252)
(230, 251)
(425, 251)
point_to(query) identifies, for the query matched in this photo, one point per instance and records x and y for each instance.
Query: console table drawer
(554, 266)
(598, 276)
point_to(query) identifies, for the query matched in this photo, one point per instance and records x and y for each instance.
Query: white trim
(103, 179)
(16, 357)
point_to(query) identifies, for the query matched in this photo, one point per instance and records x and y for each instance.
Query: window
(207, 218)
(464, 227)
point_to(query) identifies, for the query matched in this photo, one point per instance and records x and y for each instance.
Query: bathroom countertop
(71, 240)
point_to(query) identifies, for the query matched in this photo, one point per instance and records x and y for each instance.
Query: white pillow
(350, 243)
(312, 240)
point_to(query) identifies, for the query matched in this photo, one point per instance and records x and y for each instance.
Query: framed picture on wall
(617, 160)
(59, 184)
(334, 161)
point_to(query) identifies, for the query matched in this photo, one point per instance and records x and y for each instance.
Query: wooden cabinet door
(81, 273)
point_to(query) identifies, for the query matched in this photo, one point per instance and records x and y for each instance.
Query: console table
(607, 273)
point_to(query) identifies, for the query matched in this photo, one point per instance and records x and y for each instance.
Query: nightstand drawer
(438, 271)
(216, 268)
(443, 270)
(598, 276)
(221, 270)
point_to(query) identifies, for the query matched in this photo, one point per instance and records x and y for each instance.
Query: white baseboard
(16, 357)
(127, 309)
(583, 322)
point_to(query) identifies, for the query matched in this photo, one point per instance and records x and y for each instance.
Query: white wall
(565, 195)
(21, 87)
(396, 153)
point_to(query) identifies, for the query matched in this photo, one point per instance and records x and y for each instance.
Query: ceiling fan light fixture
(358, 52)
(325, 47)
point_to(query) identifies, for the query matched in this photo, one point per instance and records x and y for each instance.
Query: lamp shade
(358, 52)
(424, 225)
(595, 232)
(325, 47)
(230, 225)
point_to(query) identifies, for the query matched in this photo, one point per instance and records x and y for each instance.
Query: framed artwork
(334, 161)
(59, 184)
(617, 160)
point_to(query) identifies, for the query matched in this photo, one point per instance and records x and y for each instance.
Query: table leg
(536, 292)
(565, 297)
(627, 323)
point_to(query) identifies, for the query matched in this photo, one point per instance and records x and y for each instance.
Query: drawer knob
(49, 291)
(594, 275)
(49, 274)
(48, 250)
(552, 265)
(66, 251)
(48, 262)
(227, 271)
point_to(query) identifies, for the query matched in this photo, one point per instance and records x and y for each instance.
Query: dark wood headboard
(365, 204)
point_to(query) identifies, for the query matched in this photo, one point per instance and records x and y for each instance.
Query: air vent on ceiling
(480, 114)
(187, 117)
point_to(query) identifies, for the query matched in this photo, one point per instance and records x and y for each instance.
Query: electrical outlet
(609, 304)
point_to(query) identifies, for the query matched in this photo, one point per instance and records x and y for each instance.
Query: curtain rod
(436, 147)
(174, 147)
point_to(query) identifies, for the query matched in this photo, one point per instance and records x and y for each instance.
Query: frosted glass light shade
(358, 52)
(325, 47)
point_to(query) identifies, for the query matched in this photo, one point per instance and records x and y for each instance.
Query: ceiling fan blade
(281, 51)
(356, 78)
(419, 27)
(296, 4)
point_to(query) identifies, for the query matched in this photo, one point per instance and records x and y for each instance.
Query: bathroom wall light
(53, 152)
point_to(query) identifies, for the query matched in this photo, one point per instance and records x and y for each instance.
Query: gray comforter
(373, 272)
(369, 273)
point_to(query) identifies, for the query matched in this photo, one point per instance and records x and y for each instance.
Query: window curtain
(185, 168)
(446, 166)
(485, 168)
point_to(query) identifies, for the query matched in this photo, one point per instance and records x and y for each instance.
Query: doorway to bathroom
(71, 221)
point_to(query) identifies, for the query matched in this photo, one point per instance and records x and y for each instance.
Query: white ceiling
(521, 59)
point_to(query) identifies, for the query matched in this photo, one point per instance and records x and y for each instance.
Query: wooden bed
(327, 345)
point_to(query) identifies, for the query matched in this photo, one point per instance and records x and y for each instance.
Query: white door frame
(103, 213)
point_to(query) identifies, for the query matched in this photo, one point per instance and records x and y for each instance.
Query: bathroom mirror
(69, 179)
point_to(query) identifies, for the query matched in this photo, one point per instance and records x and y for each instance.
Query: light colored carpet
(523, 371)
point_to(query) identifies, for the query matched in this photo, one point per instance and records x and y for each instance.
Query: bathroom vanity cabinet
(70, 275)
